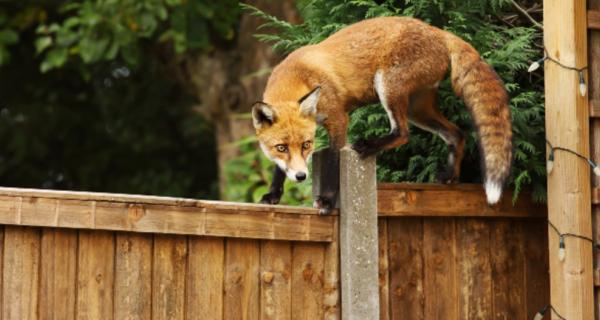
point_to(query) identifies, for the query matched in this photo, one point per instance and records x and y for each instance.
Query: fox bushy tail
(485, 96)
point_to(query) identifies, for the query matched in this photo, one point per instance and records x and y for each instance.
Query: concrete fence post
(358, 239)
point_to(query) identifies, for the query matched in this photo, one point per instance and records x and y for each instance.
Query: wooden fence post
(567, 125)
(358, 238)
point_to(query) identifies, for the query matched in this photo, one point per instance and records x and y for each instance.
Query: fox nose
(300, 176)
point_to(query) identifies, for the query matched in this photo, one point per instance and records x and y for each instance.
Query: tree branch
(524, 13)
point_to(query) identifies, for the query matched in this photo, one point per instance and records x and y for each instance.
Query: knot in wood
(267, 277)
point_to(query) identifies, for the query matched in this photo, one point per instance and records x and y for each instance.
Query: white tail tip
(493, 191)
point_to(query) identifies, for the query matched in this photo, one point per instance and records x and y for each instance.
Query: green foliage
(125, 131)
(8, 36)
(94, 119)
(509, 49)
(102, 30)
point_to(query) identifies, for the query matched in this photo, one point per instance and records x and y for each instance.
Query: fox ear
(262, 115)
(308, 103)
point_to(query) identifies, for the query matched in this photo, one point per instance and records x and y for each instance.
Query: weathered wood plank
(594, 108)
(241, 280)
(474, 275)
(184, 217)
(384, 271)
(508, 270)
(2, 232)
(58, 274)
(20, 273)
(537, 280)
(142, 199)
(133, 276)
(95, 275)
(331, 283)
(565, 38)
(205, 275)
(307, 284)
(406, 268)
(593, 19)
(168, 277)
(439, 252)
(460, 200)
(276, 274)
(594, 102)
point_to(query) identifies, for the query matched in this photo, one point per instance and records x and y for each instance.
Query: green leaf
(42, 43)
(8, 36)
(54, 58)
(91, 50)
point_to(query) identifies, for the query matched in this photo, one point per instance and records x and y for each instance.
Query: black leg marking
(330, 181)
(276, 189)
(369, 147)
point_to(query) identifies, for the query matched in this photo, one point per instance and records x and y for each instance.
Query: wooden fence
(67, 255)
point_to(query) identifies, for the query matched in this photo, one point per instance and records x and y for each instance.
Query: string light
(542, 312)
(561, 240)
(562, 252)
(550, 162)
(582, 85)
(561, 257)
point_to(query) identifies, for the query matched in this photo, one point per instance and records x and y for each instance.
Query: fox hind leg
(424, 113)
(396, 106)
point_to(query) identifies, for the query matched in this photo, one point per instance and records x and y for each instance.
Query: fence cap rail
(139, 213)
(451, 200)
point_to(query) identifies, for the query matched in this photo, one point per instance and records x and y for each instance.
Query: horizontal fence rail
(116, 212)
(459, 200)
(443, 253)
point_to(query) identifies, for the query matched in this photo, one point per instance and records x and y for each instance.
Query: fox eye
(281, 148)
(306, 145)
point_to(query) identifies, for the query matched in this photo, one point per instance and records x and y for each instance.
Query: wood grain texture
(384, 270)
(242, 297)
(205, 276)
(594, 106)
(276, 280)
(565, 38)
(20, 282)
(406, 268)
(474, 275)
(460, 200)
(439, 254)
(508, 270)
(537, 278)
(162, 215)
(133, 276)
(58, 274)
(95, 275)
(594, 102)
(168, 277)
(331, 281)
(593, 19)
(307, 281)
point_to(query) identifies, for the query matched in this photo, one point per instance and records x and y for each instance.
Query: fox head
(286, 132)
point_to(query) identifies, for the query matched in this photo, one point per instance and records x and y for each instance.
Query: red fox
(398, 61)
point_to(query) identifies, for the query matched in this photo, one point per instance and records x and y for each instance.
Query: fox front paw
(270, 198)
(324, 205)
(364, 148)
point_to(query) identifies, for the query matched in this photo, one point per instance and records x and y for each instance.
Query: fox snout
(294, 175)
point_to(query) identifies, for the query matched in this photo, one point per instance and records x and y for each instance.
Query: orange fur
(398, 61)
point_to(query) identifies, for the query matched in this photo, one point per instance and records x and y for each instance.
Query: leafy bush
(508, 48)
(107, 113)
(103, 30)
